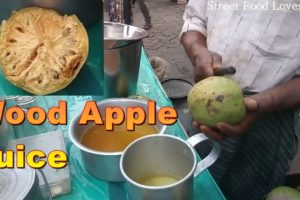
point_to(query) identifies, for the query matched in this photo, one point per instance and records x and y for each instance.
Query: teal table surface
(86, 187)
(89, 79)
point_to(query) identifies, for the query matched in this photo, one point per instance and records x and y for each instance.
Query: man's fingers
(212, 133)
(230, 131)
(202, 73)
(207, 62)
(204, 70)
(195, 124)
(204, 66)
(251, 104)
(209, 132)
(217, 60)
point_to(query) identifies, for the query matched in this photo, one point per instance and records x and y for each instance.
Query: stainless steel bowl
(104, 165)
(88, 11)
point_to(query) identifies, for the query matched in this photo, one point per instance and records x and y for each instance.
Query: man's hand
(203, 60)
(224, 130)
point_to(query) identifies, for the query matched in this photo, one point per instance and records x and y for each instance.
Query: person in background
(119, 11)
(145, 11)
(264, 46)
(115, 11)
(127, 5)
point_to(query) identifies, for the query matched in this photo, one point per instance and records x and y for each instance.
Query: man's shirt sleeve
(297, 72)
(194, 17)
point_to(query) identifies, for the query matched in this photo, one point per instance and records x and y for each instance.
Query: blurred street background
(163, 38)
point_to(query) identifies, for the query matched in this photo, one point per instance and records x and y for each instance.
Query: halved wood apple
(41, 51)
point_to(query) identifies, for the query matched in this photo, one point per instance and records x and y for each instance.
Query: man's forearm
(282, 97)
(192, 41)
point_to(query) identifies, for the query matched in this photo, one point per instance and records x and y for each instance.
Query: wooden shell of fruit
(41, 51)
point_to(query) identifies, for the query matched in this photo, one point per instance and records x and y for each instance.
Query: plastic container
(59, 180)
(22, 184)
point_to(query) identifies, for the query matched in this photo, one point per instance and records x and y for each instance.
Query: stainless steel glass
(104, 165)
(164, 154)
(122, 54)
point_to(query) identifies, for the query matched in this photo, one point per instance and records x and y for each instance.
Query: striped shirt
(252, 164)
(264, 45)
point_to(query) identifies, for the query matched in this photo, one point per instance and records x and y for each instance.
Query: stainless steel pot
(122, 54)
(88, 11)
(104, 165)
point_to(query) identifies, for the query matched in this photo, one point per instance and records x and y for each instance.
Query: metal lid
(117, 35)
(176, 88)
(16, 183)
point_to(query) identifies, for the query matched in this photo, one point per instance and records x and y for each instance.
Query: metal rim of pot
(143, 33)
(79, 145)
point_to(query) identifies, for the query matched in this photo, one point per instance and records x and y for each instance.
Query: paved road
(164, 36)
